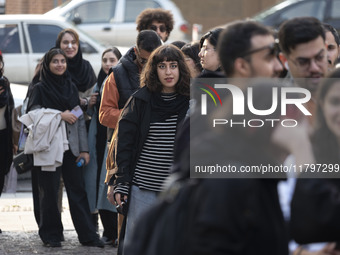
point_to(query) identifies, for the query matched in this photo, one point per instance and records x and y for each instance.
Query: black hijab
(54, 91)
(4, 96)
(81, 71)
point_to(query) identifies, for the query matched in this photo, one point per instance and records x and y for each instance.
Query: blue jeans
(140, 201)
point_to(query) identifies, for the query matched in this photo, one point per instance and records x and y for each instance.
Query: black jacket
(133, 127)
(126, 75)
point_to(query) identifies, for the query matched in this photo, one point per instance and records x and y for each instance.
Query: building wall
(208, 13)
(30, 6)
(211, 13)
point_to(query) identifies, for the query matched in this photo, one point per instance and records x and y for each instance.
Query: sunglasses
(273, 48)
(161, 28)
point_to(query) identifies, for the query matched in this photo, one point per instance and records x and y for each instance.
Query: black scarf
(163, 109)
(4, 96)
(101, 77)
(81, 72)
(54, 91)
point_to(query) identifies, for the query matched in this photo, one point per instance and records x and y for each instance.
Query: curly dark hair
(146, 17)
(149, 75)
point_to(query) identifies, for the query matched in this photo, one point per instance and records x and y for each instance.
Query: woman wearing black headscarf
(6, 144)
(81, 71)
(57, 91)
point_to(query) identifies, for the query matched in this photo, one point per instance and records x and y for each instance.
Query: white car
(24, 39)
(114, 21)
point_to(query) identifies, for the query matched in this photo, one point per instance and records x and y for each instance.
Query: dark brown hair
(149, 75)
(114, 50)
(65, 31)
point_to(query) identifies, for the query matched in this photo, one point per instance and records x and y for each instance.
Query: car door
(333, 14)
(14, 50)
(314, 8)
(96, 18)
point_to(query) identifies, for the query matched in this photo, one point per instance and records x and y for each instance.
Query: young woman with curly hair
(146, 132)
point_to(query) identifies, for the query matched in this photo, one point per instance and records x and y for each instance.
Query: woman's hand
(119, 198)
(110, 195)
(84, 155)
(68, 117)
(93, 99)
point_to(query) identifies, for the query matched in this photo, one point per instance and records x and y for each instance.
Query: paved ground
(20, 231)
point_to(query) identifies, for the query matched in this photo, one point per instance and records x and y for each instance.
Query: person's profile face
(331, 109)
(209, 57)
(264, 60)
(332, 50)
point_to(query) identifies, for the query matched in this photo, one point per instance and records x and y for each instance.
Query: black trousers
(50, 225)
(3, 157)
(109, 221)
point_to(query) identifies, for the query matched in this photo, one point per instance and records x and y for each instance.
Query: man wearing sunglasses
(304, 51)
(247, 49)
(157, 19)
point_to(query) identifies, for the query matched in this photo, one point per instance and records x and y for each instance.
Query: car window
(335, 11)
(94, 12)
(134, 7)
(9, 38)
(87, 48)
(43, 37)
(310, 8)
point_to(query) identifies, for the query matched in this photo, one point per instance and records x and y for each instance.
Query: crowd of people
(122, 143)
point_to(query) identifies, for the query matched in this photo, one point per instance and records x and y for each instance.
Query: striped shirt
(156, 157)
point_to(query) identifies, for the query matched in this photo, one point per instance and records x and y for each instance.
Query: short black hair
(148, 40)
(192, 50)
(299, 30)
(212, 36)
(330, 28)
(235, 40)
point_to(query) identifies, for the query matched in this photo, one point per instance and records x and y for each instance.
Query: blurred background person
(333, 44)
(209, 57)
(6, 107)
(192, 59)
(315, 207)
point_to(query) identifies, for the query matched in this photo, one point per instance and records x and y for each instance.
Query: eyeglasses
(205, 49)
(161, 28)
(305, 63)
(273, 48)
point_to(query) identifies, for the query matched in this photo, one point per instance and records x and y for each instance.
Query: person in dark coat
(315, 206)
(6, 108)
